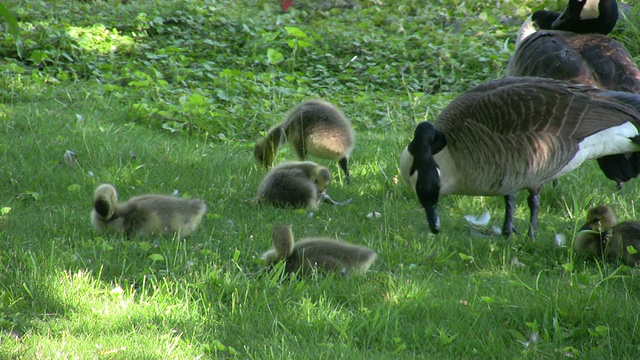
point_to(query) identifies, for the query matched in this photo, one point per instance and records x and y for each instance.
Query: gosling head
(600, 218)
(283, 240)
(264, 153)
(322, 177)
(427, 141)
(105, 199)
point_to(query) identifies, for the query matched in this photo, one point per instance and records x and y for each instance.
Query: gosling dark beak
(585, 227)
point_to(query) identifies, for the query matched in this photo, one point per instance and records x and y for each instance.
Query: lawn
(169, 96)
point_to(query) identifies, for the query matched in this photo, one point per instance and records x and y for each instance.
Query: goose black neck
(543, 19)
(426, 142)
(571, 18)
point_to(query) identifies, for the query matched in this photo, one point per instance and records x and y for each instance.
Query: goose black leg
(509, 207)
(534, 206)
(343, 162)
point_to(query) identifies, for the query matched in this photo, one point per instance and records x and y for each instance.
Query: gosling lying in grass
(317, 254)
(314, 127)
(145, 214)
(601, 237)
(298, 184)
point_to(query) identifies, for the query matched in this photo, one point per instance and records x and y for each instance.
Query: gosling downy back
(602, 237)
(145, 214)
(318, 254)
(516, 133)
(298, 184)
(314, 127)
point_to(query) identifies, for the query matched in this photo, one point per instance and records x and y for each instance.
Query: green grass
(174, 100)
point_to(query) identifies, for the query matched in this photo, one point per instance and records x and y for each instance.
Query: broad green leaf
(488, 299)
(156, 257)
(294, 31)
(274, 56)
(74, 188)
(465, 257)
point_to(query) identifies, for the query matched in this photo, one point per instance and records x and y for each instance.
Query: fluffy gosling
(317, 254)
(601, 237)
(314, 127)
(298, 184)
(145, 214)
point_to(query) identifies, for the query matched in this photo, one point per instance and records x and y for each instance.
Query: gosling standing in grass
(145, 214)
(319, 254)
(601, 237)
(298, 184)
(314, 127)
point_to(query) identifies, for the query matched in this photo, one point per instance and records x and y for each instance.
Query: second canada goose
(584, 16)
(581, 53)
(299, 184)
(602, 237)
(575, 48)
(145, 214)
(578, 17)
(317, 254)
(516, 133)
(314, 127)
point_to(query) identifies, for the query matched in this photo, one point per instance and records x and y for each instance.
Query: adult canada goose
(581, 16)
(581, 53)
(145, 214)
(299, 184)
(317, 254)
(575, 48)
(602, 237)
(516, 133)
(314, 127)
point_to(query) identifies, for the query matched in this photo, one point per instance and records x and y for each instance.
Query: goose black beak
(560, 20)
(428, 191)
(433, 218)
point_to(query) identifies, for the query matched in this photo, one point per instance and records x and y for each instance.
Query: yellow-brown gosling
(314, 127)
(602, 237)
(298, 184)
(317, 254)
(145, 214)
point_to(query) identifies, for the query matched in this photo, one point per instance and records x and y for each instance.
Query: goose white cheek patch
(590, 10)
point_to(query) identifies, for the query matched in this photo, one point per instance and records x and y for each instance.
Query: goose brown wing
(612, 66)
(550, 54)
(526, 105)
(590, 59)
